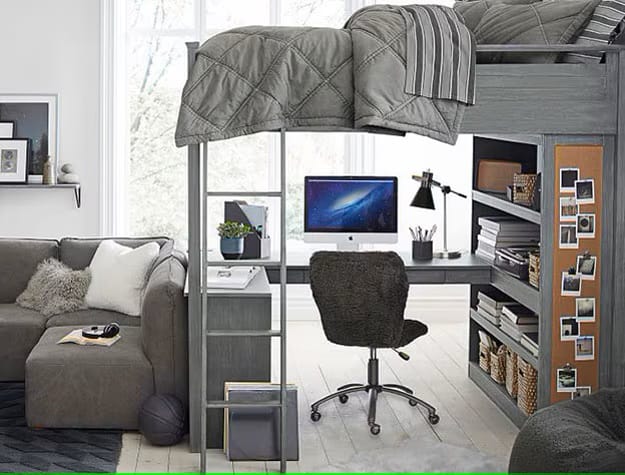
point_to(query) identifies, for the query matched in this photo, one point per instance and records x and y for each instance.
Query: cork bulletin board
(576, 271)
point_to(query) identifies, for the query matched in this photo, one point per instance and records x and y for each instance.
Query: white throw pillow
(119, 276)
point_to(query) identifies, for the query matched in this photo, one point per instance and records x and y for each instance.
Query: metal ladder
(208, 334)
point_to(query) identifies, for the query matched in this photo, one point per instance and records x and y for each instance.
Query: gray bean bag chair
(582, 435)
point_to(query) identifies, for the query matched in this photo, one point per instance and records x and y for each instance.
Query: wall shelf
(504, 338)
(497, 393)
(499, 202)
(519, 290)
(60, 186)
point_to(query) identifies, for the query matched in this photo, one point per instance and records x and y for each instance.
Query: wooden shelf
(504, 338)
(519, 290)
(497, 393)
(499, 202)
(58, 186)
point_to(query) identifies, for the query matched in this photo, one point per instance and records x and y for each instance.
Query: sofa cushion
(18, 262)
(20, 330)
(77, 253)
(74, 386)
(91, 316)
(119, 275)
(55, 289)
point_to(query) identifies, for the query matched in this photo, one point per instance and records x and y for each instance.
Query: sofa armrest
(164, 327)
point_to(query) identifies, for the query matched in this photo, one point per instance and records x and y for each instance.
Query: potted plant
(232, 235)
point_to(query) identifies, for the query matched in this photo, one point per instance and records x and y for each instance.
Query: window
(150, 179)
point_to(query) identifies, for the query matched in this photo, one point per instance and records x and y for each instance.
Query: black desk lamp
(424, 199)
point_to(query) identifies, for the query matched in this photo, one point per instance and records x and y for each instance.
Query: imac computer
(350, 210)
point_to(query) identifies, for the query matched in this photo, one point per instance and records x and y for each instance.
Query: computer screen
(350, 204)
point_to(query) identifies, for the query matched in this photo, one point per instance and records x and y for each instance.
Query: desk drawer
(468, 276)
(426, 276)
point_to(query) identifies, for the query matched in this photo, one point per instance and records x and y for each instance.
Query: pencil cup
(421, 250)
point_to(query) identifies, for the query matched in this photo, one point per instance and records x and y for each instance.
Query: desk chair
(362, 297)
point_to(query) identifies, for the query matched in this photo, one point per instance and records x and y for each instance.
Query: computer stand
(347, 246)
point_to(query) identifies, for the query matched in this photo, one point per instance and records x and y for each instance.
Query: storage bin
(534, 269)
(484, 359)
(512, 376)
(498, 365)
(527, 387)
(524, 188)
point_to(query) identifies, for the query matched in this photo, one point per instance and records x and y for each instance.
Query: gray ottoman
(72, 386)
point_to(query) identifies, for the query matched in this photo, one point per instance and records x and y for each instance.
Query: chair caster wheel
(344, 398)
(434, 419)
(412, 403)
(315, 416)
(374, 429)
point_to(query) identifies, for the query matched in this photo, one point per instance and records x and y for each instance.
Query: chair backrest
(361, 297)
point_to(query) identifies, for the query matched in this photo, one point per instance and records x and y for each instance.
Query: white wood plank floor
(437, 372)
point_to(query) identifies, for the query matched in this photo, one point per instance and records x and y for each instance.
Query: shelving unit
(59, 186)
(499, 202)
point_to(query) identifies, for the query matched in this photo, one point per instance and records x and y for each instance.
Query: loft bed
(541, 104)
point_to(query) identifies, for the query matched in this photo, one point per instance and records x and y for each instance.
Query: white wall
(54, 47)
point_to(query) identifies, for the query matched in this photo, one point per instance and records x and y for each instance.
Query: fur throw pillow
(55, 289)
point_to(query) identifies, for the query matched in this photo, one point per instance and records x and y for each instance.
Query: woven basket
(534, 269)
(527, 387)
(524, 188)
(498, 365)
(512, 376)
(484, 357)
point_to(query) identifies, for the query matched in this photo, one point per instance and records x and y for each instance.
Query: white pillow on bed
(119, 276)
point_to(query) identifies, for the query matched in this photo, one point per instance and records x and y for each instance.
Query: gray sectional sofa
(92, 387)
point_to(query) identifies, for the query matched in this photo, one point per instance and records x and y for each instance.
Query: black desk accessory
(424, 199)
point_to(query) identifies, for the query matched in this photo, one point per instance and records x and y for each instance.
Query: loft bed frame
(539, 104)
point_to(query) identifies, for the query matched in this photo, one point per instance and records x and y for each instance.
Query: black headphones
(106, 331)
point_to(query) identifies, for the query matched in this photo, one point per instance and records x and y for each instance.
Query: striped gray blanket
(440, 54)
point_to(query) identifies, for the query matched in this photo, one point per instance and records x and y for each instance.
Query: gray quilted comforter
(259, 78)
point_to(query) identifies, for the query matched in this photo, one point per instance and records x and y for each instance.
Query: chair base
(373, 388)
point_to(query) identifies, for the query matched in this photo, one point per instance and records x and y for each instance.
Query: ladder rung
(237, 405)
(243, 263)
(243, 333)
(274, 194)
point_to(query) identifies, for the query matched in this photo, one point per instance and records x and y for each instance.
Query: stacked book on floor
(517, 320)
(490, 303)
(500, 232)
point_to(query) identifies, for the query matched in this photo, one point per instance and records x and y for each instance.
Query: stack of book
(517, 320)
(490, 304)
(530, 342)
(499, 232)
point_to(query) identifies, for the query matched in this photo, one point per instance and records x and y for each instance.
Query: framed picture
(571, 284)
(568, 209)
(567, 380)
(585, 191)
(587, 267)
(585, 226)
(568, 236)
(584, 348)
(13, 161)
(568, 177)
(569, 328)
(34, 117)
(7, 129)
(581, 391)
(585, 309)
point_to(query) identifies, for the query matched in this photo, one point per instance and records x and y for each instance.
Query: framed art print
(13, 161)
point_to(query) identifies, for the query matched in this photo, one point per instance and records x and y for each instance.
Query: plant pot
(231, 248)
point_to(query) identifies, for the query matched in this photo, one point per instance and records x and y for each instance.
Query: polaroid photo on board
(585, 191)
(584, 348)
(586, 267)
(581, 391)
(585, 226)
(571, 284)
(569, 328)
(585, 308)
(567, 380)
(568, 236)
(568, 177)
(568, 209)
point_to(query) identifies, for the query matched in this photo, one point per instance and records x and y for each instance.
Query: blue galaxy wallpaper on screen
(350, 205)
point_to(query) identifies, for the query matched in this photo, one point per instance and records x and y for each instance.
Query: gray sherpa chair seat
(582, 435)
